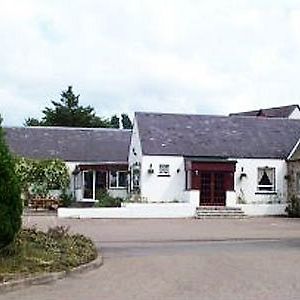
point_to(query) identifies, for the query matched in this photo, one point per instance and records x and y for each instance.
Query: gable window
(164, 170)
(266, 179)
(118, 179)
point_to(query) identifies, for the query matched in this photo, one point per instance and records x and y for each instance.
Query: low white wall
(132, 210)
(230, 198)
(263, 209)
(192, 197)
(120, 193)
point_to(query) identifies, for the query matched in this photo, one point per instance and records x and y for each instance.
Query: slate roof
(216, 136)
(70, 144)
(274, 112)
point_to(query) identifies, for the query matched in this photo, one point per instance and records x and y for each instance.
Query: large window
(266, 179)
(118, 179)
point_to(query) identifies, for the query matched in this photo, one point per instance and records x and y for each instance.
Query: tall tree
(10, 195)
(115, 121)
(126, 122)
(68, 112)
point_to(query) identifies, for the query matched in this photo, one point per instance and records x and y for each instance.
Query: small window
(118, 179)
(164, 170)
(266, 179)
(136, 175)
(298, 182)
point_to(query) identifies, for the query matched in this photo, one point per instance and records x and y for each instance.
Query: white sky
(192, 56)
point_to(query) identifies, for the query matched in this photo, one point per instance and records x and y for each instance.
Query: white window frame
(117, 180)
(164, 170)
(272, 186)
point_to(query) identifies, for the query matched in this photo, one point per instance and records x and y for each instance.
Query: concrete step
(219, 212)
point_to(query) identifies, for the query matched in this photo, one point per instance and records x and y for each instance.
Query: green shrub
(105, 200)
(10, 195)
(293, 208)
(66, 199)
(34, 251)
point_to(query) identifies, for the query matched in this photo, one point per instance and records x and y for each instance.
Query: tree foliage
(10, 195)
(68, 112)
(126, 122)
(38, 177)
(115, 121)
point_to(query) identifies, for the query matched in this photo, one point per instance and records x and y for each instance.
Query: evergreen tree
(68, 112)
(126, 122)
(115, 121)
(10, 195)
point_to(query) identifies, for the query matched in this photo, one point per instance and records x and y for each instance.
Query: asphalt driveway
(255, 258)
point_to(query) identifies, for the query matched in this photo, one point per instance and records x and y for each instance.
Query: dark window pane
(122, 179)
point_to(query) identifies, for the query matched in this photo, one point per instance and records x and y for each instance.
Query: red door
(212, 191)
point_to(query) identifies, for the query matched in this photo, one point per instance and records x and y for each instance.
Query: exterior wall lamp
(150, 170)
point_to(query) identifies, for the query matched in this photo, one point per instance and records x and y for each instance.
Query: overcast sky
(192, 56)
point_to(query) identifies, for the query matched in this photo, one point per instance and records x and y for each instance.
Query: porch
(214, 179)
(91, 179)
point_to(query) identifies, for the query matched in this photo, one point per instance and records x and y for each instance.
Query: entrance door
(101, 182)
(94, 182)
(88, 184)
(212, 190)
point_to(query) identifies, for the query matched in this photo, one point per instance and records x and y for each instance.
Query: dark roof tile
(69, 144)
(216, 136)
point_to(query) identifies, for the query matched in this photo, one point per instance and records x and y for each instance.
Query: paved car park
(255, 258)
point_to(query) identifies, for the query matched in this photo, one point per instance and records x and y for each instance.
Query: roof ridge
(68, 128)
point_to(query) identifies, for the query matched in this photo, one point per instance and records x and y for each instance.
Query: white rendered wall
(71, 167)
(135, 145)
(118, 193)
(295, 114)
(246, 188)
(134, 210)
(159, 188)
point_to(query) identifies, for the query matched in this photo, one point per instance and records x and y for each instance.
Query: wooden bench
(44, 203)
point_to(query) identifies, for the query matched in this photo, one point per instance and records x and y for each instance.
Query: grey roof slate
(216, 136)
(274, 112)
(69, 144)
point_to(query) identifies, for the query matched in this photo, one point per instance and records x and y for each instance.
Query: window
(118, 179)
(164, 170)
(136, 175)
(266, 179)
(298, 182)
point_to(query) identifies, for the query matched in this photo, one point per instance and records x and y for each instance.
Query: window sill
(266, 193)
(118, 188)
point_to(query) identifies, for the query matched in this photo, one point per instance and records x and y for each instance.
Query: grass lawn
(35, 252)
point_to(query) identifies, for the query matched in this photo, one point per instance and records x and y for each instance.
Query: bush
(105, 200)
(10, 195)
(34, 251)
(66, 199)
(293, 208)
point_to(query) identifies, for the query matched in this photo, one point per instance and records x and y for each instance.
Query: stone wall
(293, 168)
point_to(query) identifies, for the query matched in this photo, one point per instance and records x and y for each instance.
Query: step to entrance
(203, 212)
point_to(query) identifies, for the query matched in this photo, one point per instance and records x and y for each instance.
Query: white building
(97, 158)
(212, 160)
(175, 163)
